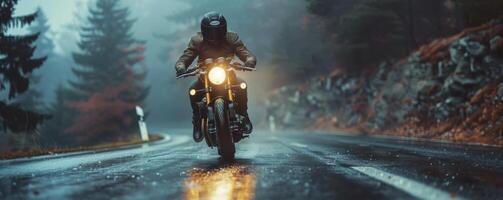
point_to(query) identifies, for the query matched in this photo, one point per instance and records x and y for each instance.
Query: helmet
(213, 27)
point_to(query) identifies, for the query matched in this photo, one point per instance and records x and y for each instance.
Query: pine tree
(108, 86)
(369, 33)
(52, 132)
(45, 45)
(366, 32)
(32, 99)
(16, 64)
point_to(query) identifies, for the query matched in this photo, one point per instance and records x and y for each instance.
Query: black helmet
(213, 27)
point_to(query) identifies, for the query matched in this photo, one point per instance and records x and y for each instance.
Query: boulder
(495, 43)
(475, 49)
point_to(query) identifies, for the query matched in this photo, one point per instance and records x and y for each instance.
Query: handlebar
(190, 72)
(197, 70)
(241, 67)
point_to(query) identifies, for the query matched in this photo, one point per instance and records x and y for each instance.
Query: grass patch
(57, 150)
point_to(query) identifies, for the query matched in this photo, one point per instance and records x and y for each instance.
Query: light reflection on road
(228, 182)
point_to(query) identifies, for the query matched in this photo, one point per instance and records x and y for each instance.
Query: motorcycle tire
(225, 143)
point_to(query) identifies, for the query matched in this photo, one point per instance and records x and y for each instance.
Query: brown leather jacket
(233, 46)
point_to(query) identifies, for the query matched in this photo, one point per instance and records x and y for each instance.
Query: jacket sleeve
(242, 52)
(189, 54)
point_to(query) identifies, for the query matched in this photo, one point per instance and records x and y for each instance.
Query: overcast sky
(59, 12)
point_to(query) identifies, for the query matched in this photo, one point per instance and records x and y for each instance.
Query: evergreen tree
(366, 32)
(108, 87)
(369, 33)
(52, 133)
(307, 57)
(45, 45)
(16, 64)
(32, 99)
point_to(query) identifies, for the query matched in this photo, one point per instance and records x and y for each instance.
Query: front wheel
(225, 143)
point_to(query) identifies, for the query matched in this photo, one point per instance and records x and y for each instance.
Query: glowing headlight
(192, 92)
(243, 86)
(217, 75)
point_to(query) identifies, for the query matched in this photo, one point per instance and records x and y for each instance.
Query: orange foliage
(488, 90)
(435, 51)
(481, 126)
(104, 115)
(108, 114)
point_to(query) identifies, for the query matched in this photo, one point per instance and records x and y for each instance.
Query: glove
(180, 69)
(250, 64)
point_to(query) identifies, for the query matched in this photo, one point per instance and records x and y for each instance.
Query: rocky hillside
(449, 89)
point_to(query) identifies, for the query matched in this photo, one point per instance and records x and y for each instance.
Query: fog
(366, 65)
(166, 26)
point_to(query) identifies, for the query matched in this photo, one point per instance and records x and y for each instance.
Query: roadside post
(272, 124)
(142, 124)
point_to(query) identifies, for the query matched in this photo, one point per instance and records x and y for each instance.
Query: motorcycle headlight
(217, 75)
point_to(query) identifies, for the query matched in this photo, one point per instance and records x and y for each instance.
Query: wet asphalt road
(268, 166)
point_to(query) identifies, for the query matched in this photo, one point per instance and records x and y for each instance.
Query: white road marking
(414, 188)
(298, 144)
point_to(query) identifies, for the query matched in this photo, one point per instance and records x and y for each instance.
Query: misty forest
(415, 68)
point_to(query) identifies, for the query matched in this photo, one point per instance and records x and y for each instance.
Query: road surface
(287, 165)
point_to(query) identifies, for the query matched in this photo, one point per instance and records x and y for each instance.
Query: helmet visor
(214, 32)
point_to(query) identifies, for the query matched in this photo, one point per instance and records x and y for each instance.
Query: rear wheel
(225, 144)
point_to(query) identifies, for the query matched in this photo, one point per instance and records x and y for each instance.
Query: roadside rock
(428, 95)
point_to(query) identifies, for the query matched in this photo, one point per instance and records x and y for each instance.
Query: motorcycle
(221, 126)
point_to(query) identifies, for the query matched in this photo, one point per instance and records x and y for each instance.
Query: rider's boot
(243, 111)
(196, 122)
(248, 127)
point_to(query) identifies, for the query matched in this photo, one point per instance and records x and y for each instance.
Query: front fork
(234, 123)
(210, 117)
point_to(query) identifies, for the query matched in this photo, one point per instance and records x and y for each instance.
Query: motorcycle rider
(215, 41)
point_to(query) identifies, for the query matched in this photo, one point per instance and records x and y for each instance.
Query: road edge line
(407, 185)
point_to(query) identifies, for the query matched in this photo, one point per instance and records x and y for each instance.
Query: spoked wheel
(226, 146)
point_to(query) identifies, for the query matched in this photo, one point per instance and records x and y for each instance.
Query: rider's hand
(180, 70)
(250, 64)
(236, 64)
